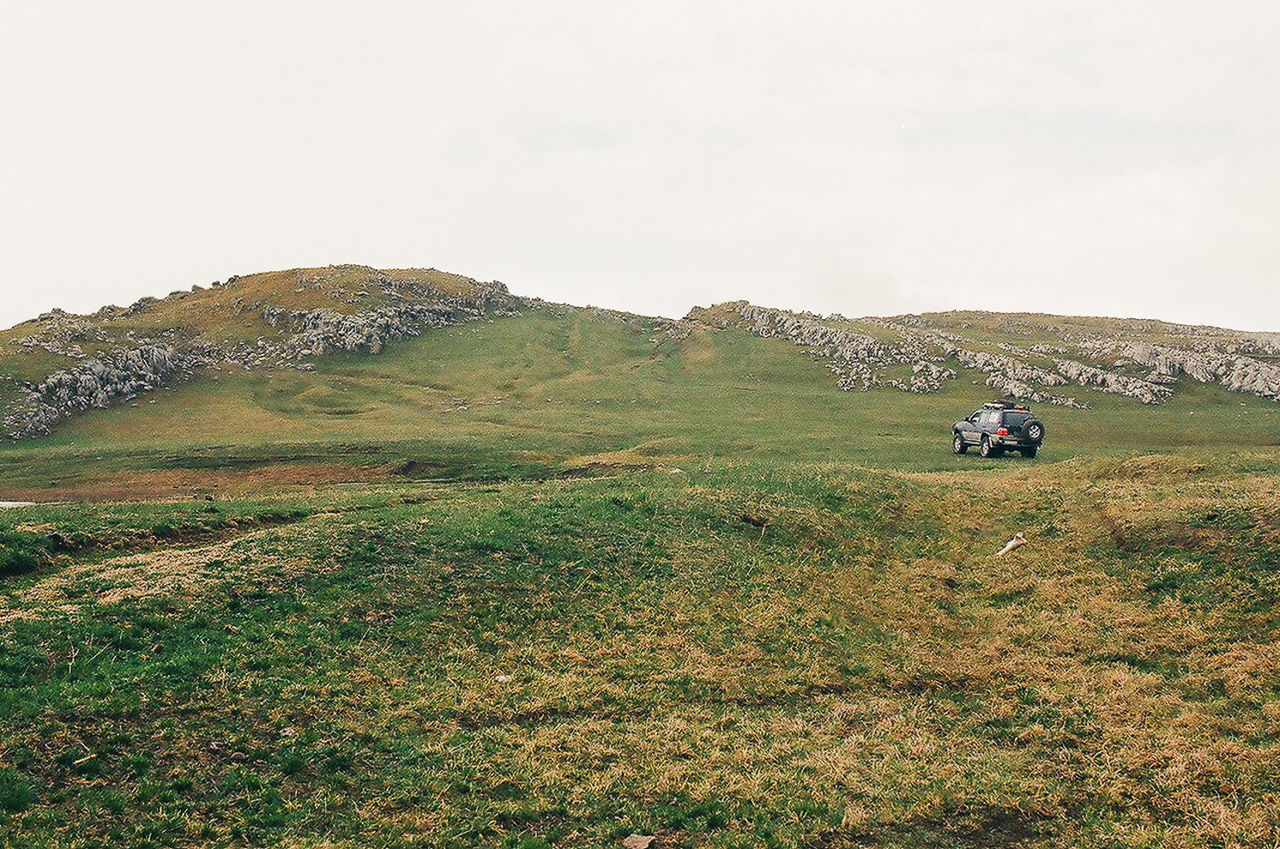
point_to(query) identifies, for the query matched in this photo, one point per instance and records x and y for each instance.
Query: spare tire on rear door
(1033, 430)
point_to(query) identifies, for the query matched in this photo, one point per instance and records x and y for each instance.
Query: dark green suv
(998, 427)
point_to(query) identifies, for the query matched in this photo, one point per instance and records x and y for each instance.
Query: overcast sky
(864, 158)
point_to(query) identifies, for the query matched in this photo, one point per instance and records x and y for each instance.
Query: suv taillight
(1004, 431)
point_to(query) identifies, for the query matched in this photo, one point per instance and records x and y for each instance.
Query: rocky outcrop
(62, 334)
(1009, 369)
(857, 359)
(1131, 387)
(97, 382)
(925, 377)
(28, 415)
(860, 361)
(1206, 363)
(140, 306)
(1010, 377)
(1038, 349)
(1246, 374)
(148, 362)
(321, 331)
(100, 381)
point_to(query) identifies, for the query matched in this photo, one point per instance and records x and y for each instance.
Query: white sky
(1115, 158)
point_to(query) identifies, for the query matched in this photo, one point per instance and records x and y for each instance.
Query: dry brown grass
(175, 572)
(858, 670)
(278, 479)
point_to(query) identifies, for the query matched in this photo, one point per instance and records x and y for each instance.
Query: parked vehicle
(998, 427)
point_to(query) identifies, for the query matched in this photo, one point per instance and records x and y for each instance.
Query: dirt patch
(190, 534)
(642, 458)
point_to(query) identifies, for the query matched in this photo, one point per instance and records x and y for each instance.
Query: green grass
(554, 579)
(544, 389)
(761, 654)
(224, 315)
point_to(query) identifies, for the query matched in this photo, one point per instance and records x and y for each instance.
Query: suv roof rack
(1005, 404)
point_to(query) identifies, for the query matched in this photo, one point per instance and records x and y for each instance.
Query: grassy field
(726, 655)
(551, 391)
(554, 579)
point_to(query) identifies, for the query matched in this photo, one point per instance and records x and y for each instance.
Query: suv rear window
(1015, 420)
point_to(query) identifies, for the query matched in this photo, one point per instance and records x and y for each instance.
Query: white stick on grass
(1018, 539)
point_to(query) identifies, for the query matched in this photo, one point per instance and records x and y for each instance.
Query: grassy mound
(725, 655)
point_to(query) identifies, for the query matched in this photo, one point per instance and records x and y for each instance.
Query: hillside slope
(353, 558)
(420, 372)
(60, 364)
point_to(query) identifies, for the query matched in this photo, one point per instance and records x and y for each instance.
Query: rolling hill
(421, 373)
(353, 558)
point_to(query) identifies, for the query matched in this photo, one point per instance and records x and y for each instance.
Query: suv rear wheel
(1029, 452)
(958, 445)
(985, 448)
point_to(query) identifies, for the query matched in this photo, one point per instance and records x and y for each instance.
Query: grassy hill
(439, 565)
(516, 385)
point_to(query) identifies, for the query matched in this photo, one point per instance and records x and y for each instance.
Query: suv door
(969, 427)
(1014, 420)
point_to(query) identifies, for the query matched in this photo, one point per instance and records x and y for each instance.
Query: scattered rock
(124, 372)
(1241, 363)
(97, 382)
(903, 352)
